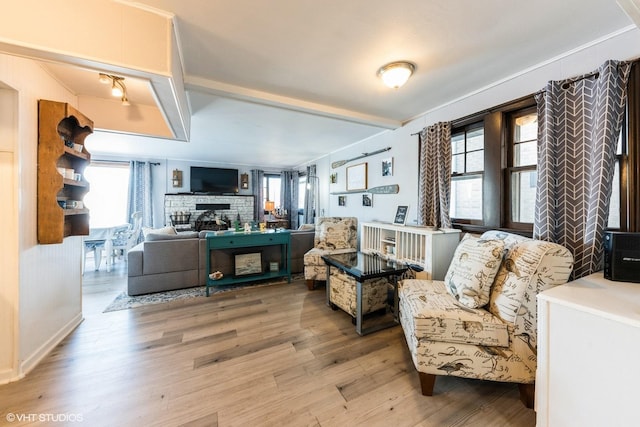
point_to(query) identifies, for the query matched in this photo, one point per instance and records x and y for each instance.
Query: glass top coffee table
(363, 267)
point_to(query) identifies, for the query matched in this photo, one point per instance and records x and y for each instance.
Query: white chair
(123, 239)
(95, 246)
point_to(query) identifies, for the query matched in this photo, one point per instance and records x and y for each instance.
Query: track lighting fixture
(118, 88)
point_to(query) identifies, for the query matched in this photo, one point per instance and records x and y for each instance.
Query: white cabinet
(588, 347)
(430, 248)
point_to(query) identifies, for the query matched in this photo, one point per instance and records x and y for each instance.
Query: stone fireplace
(193, 206)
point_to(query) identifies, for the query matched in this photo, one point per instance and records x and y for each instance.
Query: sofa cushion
(431, 313)
(472, 270)
(152, 237)
(164, 256)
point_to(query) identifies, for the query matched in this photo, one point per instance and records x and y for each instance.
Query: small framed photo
(387, 167)
(401, 215)
(357, 177)
(248, 264)
(342, 200)
(244, 181)
(333, 178)
(367, 200)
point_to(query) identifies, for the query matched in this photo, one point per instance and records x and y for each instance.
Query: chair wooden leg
(427, 381)
(527, 394)
(311, 284)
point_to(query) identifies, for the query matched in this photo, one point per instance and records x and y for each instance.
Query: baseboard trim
(8, 376)
(34, 359)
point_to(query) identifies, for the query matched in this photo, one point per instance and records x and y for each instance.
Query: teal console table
(240, 242)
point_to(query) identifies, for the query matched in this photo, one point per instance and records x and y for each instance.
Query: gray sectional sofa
(167, 262)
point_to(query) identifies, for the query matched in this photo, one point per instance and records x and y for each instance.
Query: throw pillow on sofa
(472, 271)
(164, 230)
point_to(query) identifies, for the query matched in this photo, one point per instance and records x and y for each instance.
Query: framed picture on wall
(357, 177)
(367, 200)
(342, 200)
(401, 215)
(387, 167)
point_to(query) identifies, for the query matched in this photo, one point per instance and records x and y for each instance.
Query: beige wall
(42, 284)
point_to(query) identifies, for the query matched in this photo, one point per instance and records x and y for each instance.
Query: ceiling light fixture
(118, 88)
(396, 74)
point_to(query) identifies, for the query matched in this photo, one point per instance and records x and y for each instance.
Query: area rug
(125, 302)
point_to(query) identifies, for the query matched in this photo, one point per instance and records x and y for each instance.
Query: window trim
(471, 125)
(509, 168)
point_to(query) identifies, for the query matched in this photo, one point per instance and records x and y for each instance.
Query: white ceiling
(279, 83)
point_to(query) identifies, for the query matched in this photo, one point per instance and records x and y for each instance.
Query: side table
(363, 267)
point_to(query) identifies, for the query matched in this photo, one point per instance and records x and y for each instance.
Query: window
(521, 166)
(494, 167)
(467, 166)
(614, 203)
(271, 189)
(107, 199)
(494, 158)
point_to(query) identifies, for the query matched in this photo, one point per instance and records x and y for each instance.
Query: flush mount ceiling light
(118, 88)
(396, 74)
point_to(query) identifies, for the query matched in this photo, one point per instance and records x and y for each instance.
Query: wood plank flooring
(267, 356)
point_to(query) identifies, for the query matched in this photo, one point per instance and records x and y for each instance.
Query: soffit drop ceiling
(299, 76)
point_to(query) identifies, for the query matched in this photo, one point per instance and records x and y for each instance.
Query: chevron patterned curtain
(579, 123)
(435, 175)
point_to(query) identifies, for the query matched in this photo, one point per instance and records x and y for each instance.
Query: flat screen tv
(214, 180)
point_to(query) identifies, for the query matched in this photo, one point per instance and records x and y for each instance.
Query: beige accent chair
(333, 235)
(480, 322)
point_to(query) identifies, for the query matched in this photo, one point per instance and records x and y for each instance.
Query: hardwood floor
(269, 356)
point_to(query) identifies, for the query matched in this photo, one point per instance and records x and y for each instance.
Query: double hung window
(467, 166)
(521, 167)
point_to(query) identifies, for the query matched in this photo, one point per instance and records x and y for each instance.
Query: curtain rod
(119, 162)
(489, 110)
(480, 113)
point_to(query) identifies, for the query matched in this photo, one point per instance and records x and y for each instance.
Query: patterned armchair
(333, 235)
(480, 322)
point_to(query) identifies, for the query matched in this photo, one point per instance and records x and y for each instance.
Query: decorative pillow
(472, 270)
(164, 230)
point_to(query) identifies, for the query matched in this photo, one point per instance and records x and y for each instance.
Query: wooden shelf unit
(59, 122)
